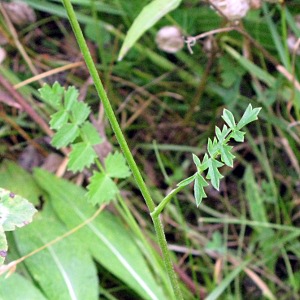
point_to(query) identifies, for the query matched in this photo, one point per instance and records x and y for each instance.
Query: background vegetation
(241, 242)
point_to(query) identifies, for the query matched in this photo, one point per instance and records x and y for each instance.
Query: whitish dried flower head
(293, 41)
(233, 10)
(169, 39)
(20, 13)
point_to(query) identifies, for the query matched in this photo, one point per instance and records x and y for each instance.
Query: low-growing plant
(72, 129)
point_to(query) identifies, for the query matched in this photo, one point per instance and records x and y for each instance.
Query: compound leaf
(90, 134)
(221, 135)
(226, 155)
(81, 156)
(116, 166)
(228, 118)
(212, 147)
(199, 185)
(59, 119)
(102, 189)
(238, 135)
(65, 135)
(80, 112)
(52, 95)
(249, 115)
(213, 173)
(196, 160)
(71, 97)
(204, 164)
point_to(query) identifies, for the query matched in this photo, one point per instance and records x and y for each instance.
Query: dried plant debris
(20, 13)
(293, 41)
(235, 10)
(169, 39)
(232, 10)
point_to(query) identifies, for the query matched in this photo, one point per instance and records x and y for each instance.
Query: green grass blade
(217, 292)
(145, 20)
(251, 67)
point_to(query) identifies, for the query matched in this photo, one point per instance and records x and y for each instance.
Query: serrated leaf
(248, 116)
(199, 185)
(81, 156)
(228, 118)
(226, 155)
(115, 165)
(15, 211)
(102, 189)
(213, 173)
(65, 135)
(59, 119)
(52, 95)
(3, 245)
(80, 112)
(238, 136)
(90, 134)
(70, 98)
(150, 14)
(196, 160)
(187, 181)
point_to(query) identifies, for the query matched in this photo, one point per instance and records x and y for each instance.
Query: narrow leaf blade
(105, 236)
(145, 20)
(64, 270)
(17, 287)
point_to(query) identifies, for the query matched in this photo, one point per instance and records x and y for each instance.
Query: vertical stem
(106, 104)
(123, 144)
(161, 238)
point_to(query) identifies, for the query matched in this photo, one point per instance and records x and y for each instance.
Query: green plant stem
(158, 209)
(106, 103)
(124, 146)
